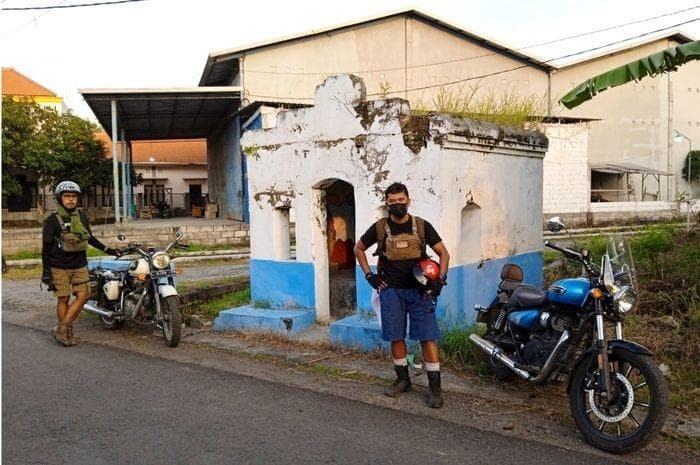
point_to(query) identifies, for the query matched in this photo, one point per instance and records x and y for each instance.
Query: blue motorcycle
(618, 396)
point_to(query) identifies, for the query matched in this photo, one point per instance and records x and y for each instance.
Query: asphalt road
(99, 405)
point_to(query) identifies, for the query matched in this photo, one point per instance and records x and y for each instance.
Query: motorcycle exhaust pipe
(498, 354)
(98, 310)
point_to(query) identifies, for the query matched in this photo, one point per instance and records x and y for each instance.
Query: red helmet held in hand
(426, 270)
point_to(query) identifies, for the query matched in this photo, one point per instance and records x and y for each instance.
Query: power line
(74, 5)
(456, 60)
(33, 20)
(496, 73)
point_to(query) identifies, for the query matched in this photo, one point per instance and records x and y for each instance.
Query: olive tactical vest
(405, 246)
(68, 241)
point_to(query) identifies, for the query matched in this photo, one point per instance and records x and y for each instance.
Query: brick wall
(231, 234)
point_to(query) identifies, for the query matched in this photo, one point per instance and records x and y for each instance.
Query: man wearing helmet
(66, 234)
(401, 239)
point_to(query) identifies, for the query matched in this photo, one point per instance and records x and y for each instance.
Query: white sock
(401, 362)
(430, 366)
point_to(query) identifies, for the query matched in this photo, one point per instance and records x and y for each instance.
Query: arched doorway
(336, 221)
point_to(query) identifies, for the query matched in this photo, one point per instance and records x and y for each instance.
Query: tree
(53, 146)
(694, 157)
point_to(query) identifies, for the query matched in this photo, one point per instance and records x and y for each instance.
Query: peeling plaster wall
(447, 164)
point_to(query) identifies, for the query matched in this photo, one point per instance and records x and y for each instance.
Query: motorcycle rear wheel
(111, 323)
(171, 320)
(636, 414)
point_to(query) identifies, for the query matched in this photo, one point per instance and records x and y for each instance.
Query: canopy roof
(165, 113)
(625, 168)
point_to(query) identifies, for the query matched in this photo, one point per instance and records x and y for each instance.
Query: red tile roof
(175, 151)
(16, 83)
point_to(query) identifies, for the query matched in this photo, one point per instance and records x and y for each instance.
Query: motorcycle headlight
(160, 260)
(625, 300)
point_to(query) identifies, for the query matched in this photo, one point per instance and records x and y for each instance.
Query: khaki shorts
(70, 281)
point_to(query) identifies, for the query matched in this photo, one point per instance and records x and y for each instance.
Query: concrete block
(361, 331)
(265, 320)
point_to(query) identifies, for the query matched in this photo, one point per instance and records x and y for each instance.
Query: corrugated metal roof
(624, 168)
(164, 113)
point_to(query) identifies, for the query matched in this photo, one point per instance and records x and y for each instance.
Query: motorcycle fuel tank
(526, 319)
(569, 291)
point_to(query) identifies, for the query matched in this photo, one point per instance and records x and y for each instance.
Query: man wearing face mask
(401, 243)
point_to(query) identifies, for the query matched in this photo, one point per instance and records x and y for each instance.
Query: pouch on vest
(68, 241)
(405, 246)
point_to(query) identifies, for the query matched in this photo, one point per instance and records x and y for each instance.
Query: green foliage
(651, 244)
(455, 344)
(505, 109)
(211, 308)
(694, 157)
(53, 146)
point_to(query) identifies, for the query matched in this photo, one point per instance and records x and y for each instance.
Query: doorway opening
(340, 237)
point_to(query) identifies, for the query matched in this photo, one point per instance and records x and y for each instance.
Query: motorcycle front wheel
(171, 320)
(637, 410)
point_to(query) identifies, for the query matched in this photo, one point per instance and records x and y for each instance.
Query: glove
(375, 280)
(114, 252)
(47, 279)
(434, 288)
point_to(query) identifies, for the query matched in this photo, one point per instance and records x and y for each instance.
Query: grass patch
(23, 273)
(210, 309)
(458, 350)
(187, 286)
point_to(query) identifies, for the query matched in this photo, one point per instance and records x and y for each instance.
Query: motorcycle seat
(511, 277)
(525, 296)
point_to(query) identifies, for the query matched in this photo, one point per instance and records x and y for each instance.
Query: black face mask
(398, 210)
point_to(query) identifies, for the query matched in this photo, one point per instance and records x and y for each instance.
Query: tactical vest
(404, 246)
(68, 241)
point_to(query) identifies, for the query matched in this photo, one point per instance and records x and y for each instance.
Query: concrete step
(279, 321)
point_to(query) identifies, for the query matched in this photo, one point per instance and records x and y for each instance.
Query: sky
(165, 43)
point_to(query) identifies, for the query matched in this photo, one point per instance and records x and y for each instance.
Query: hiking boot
(434, 390)
(402, 382)
(62, 335)
(71, 338)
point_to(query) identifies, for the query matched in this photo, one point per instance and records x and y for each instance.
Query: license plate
(160, 273)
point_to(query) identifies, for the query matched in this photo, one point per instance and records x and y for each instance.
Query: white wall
(566, 177)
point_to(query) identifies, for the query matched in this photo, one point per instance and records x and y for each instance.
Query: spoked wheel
(633, 415)
(171, 320)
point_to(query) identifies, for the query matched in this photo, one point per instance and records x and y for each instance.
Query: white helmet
(66, 186)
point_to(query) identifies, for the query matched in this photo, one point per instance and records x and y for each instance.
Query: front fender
(613, 345)
(629, 346)
(166, 290)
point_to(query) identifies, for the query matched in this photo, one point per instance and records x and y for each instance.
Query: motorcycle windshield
(618, 265)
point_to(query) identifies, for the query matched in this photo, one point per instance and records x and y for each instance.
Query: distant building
(16, 84)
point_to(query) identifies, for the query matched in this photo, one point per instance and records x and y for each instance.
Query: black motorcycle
(618, 396)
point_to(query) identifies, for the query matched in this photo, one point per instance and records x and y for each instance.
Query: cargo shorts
(68, 282)
(399, 306)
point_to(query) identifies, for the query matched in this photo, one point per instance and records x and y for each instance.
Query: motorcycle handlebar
(564, 250)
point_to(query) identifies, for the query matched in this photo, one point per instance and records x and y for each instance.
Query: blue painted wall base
(360, 331)
(264, 320)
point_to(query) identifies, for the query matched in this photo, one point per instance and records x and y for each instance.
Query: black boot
(434, 390)
(402, 383)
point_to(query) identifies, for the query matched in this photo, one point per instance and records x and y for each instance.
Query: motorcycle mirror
(555, 224)
(179, 234)
(121, 237)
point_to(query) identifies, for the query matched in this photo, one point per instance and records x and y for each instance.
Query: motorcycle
(617, 395)
(141, 289)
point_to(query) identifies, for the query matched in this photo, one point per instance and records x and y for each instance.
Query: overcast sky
(163, 43)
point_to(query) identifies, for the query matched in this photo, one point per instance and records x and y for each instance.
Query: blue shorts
(397, 305)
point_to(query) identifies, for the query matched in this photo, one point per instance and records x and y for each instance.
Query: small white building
(480, 185)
